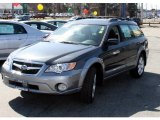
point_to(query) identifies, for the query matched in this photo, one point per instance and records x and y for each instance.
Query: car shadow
(121, 96)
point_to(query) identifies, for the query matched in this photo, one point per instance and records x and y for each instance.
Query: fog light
(62, 87)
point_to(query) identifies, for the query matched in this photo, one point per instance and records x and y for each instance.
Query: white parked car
(14, 35)
(57, 23)
(42, 26)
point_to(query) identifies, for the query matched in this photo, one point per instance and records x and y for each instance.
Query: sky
(150, 6)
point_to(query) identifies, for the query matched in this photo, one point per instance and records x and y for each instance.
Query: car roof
(38, 22)
(35, 22)
(19, 23)
(54, 20)
(98, 21)
(10, 21)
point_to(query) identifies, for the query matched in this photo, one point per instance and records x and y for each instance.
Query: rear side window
(59, 24)
(18, 29)
(9, 29)
(44, 27)
(51, 22)
(6, 29)
(136, 31)
(33, 25)
(114, 33)
(126, 32)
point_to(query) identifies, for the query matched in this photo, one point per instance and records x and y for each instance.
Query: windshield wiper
(46, 41)
(66, 42)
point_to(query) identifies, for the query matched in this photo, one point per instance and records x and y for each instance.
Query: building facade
(7, 8)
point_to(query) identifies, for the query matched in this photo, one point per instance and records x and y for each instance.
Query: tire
(89, 86)
(139, 70)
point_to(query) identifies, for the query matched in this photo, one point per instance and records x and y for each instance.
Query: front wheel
(89, 86)
(139, 70)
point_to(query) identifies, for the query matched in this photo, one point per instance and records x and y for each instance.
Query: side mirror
(112, 41)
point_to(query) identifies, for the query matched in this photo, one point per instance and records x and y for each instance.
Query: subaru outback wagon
(77, 57)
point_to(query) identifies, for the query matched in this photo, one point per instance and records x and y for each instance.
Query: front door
(113, 56)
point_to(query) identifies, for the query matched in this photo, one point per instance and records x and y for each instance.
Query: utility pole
(106, 9)
(156, 10)
(12, 9)
(146, 10)
(123, 10)
(81, 13)
(25, 7)
(141, 11)
(54, 10)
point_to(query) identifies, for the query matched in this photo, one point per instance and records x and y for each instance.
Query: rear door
(130, 42)
(138, 40)
(12, 36)
(18, 37)
(6, 32)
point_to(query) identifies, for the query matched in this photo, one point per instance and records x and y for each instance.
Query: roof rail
(120, 19)
(107, 17)
(103, 17)
(111, 18)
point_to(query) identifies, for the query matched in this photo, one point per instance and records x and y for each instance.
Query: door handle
(116, 52)
(138, 43)
(19, 39)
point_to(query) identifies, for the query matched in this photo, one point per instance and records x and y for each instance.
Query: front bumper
(42, 82)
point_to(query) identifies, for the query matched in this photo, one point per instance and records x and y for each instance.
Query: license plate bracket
(22, 88)
(24, 85)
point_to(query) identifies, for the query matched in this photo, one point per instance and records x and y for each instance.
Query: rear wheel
(139, 70)
(89, 86)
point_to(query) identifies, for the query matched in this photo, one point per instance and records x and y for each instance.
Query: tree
(132, 9)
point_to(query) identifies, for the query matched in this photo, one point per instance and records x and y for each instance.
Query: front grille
(26, 68)
(34, 87)
(15, 83)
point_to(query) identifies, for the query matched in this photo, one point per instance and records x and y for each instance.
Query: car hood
(45, 51)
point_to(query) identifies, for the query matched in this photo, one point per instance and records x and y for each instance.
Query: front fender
(87, 66)
(141, 49)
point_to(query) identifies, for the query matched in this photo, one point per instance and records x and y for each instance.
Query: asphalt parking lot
(121, 96)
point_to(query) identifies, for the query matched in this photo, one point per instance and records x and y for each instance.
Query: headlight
(9, 60)
(59, 68)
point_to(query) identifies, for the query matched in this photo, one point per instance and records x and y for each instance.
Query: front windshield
(79, 34)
